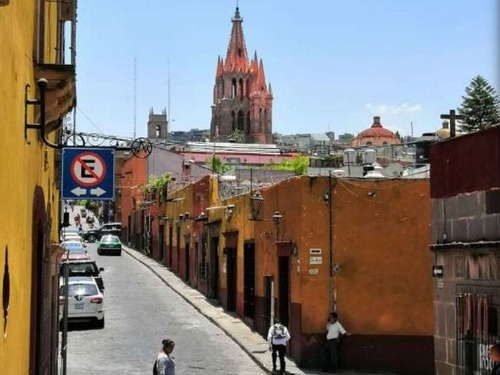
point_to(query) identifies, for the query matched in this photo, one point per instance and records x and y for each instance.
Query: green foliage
(158, 184)
(218, 165)
(298, 165)
(237, 136)
(332, 161)
(480, 106)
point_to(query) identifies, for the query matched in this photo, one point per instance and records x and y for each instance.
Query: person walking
(165, 364)
(277, 338)
(494, 354)
(334, 332)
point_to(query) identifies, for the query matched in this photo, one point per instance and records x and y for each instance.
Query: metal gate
(477, 329)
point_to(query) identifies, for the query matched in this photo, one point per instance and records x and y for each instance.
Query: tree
(218, 165)
(480, 106)
(298, 165)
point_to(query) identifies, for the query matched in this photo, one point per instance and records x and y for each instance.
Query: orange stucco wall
(382, 232)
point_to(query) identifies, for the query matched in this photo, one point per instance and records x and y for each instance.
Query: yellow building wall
(24, 166)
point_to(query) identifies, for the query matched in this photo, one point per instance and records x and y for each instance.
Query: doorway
(129, 229)
(170, 244)
(231, 278)
(268, 304)
(41, 331)
(249, 280)
(161, 244)
(178, 260)
(186, 262)
(284, 295)
(214, 269)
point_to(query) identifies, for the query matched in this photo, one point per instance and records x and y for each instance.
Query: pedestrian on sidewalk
(494, 353)
(278, 337)
(334, 332)
(165, 363)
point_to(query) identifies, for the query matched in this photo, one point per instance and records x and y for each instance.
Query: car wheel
(99, 251)
(119, 253)
(92, 238)
(100, 323)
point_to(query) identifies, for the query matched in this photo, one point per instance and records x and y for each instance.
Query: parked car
(73, 250)
(109, 244)
(92, 235)
(84, 268)
(85, 301)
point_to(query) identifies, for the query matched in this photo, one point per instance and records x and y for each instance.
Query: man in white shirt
(278, 337)
(334, 332)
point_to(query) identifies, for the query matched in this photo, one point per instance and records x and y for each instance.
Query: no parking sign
(88, 173)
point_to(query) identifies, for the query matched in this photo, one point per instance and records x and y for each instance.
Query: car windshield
(74, 248)
(80, 290)
(79, 269)
(110, 239)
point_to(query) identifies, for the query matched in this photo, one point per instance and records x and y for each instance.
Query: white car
(71, 236)
(85, 301)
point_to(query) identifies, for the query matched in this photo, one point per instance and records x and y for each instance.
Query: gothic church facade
(242, 101)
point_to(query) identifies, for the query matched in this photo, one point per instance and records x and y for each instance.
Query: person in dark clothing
(494, 354)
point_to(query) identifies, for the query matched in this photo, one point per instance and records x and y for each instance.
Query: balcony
(61, 91)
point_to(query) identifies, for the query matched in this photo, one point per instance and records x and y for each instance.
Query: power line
(135, 95)
(89, 120)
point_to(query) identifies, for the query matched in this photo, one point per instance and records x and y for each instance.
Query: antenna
(135, 95)
(168, 93)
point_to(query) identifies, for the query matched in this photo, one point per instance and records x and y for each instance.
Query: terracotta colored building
(376, 135)
(309, 246)
(465, 192)
(242, 101)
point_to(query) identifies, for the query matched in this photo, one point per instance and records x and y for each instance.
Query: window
(233, 88)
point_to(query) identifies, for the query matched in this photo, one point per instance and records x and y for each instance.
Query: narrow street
(140, 311)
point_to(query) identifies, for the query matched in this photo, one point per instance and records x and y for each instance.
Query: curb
(131, 251)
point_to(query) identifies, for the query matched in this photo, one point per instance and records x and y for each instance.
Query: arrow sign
(97, 192)
(437, 271)
(78, 191)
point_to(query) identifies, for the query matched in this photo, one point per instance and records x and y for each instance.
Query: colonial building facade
(242, 105)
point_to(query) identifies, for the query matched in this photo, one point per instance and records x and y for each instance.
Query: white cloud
(384, 109)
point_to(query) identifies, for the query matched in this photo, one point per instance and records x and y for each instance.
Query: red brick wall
(465, 164)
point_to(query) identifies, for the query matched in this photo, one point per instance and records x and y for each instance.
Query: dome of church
(376, 135)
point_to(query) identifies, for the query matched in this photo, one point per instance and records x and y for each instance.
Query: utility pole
(135, 96)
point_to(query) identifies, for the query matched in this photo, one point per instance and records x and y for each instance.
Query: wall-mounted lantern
(277, 217)
(229, 211)
(202, 217)
(256, 202)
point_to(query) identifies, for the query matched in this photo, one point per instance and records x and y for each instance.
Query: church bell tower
(242, 101)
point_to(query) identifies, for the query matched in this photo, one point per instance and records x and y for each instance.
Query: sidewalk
(251, 342)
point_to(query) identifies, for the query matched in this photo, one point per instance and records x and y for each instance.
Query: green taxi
(110, 245)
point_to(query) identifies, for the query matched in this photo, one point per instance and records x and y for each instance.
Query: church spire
(236, 57)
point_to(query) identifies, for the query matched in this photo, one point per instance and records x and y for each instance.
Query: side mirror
(101, 269)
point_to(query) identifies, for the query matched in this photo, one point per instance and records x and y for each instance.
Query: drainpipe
(271, 317)
(330, 230)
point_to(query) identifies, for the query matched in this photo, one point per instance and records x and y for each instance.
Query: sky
(333, 65)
